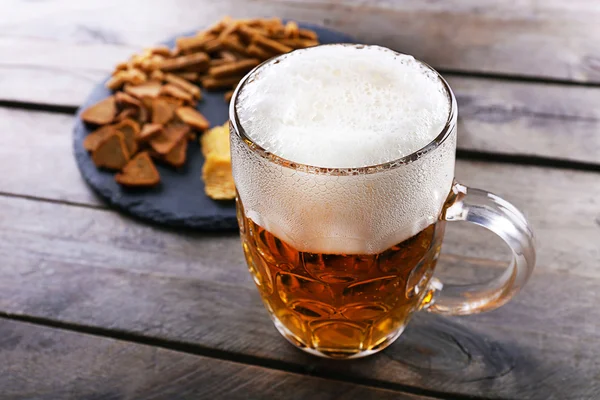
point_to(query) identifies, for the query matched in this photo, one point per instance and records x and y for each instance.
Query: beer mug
(342, 244)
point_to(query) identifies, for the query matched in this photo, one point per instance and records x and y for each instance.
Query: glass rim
(342, 171)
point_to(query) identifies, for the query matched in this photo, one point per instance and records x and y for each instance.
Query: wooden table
(96, 305)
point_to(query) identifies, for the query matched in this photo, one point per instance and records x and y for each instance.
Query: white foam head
(343, 106)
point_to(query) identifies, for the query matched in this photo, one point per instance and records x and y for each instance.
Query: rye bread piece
(148, 132)
(93, 140)
(130, 129)
(170, 136)
(177, 156)
(112, 152)
(139, 172)
(101, 113)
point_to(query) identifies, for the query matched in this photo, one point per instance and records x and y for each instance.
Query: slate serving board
(180, 200)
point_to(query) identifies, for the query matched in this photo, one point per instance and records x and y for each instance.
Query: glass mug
(355, 304)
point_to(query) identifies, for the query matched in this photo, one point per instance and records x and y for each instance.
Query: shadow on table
(439, 354)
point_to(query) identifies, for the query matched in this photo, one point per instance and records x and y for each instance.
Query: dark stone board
(179, 200)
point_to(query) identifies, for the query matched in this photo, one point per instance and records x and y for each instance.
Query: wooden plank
(58, 233)
(562, 213)
(37, 157)
(550, 39)
(496, 116)
(515, 118)
(94, 267)
(542, 345)
(44, 363)
(51, 72)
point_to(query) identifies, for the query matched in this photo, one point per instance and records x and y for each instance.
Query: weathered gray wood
(543, 345)
(44, 363)
(545, 120)
(552, 39)
(496, 116)
(67, 245)
(104, 239)
(52, 72)
(37, 153)
(561, 204)
(94, 267)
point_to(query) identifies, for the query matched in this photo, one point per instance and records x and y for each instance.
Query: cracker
(101, 113)
(233, 44)
(291, 30)
(193, 118)
(193, 43)
(209, 83)
(188, 76)
(164, 142)
(299, 43)
(164, 51)
(184, 85)
(91, 141)
(234, 68)
(197, 62)
(258, 52)
(175, 91)
(176, 157)
(147, 89)
(157, 75)
(112, 152)
(139, 172)
(308, 34)
(125, 99)
(271, 45)
(126, 113)
(132, 75)
(148, 131)
(162, 112)
(130, 130)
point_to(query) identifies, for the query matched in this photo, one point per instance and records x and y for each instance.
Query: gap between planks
(55, 201)
(464, 154)
(240, 358)
(51, 108)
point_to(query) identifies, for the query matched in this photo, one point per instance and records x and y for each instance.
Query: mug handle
(499, 216)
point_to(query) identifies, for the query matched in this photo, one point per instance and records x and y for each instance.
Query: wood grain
(50, 72)
(91, 367)
(38, 151)
(551, 39)
(94, 267)
(496, 116)
(515, 118)
(543, 345)
(561, 204)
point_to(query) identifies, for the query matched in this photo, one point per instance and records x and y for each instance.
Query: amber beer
(341, 304)
(339, 214)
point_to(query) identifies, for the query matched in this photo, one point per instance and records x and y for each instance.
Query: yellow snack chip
(216, 171)
(218, 181)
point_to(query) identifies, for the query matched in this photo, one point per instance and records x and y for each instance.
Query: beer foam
(343, 106)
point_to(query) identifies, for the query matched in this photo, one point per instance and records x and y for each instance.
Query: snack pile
(152, 113)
